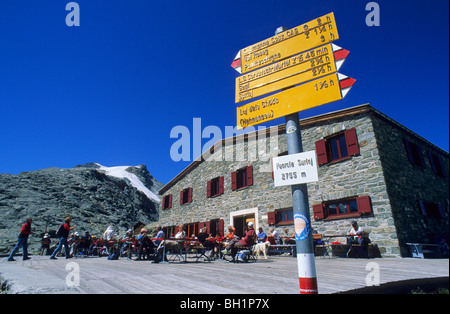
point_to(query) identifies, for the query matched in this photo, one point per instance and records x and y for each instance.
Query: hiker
(22, 241)
(63, 233)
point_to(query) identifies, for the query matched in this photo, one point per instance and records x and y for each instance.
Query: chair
(271, 240)
(251, 255)
(360, 249)
(82, 249)
(319, 245)
(201, 251)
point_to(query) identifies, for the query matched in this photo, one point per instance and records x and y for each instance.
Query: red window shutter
(220, 185)
(318, 211)
(233, 180)
(208, 226)
(221, 225)
(189, 195)
(170, 201)
(163, 203)
(321, 151)
(352, 142)
(271, 220)
(364, 205)
(181, 197)
(208, 189)
(249, 175)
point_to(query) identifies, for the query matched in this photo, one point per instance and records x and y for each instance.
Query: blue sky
(111, 90)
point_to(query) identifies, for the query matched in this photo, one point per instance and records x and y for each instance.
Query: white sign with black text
(295, 169)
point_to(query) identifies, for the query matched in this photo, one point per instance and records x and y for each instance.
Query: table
(326, 238)
(181, 248)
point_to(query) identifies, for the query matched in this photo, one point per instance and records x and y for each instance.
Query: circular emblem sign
(302, 227)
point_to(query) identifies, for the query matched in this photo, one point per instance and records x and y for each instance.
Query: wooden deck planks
(276, 275)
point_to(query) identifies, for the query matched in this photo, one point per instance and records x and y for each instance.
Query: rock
(93, 198)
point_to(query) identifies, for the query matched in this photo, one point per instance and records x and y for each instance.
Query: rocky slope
(95, 196)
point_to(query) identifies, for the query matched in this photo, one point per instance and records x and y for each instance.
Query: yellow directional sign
(317, 32)
(294, 70)
(312, 94)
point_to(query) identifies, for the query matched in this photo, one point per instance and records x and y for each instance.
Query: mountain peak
(137, 176)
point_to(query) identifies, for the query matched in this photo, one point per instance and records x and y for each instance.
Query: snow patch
(121, 173)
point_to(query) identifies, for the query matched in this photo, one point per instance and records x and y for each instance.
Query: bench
(283, 248)
(418, 250)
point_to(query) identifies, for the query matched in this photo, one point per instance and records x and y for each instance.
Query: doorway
(241, 218)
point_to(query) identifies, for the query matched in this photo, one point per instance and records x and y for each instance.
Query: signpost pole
(300, 205)
(302, 221)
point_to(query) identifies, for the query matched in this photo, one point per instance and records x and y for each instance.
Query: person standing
(22, 241)
(63, 235)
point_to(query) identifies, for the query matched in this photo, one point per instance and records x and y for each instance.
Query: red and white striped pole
(302, 221)
(307, 273)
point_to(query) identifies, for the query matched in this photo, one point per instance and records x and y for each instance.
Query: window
(437, 165)
(285, 216)
(214, 187)
(414, 152)
(430, 209)
(167, 201)
(337, 147)
(282, 217)
(344, 208)
(242, 178)
(186, 196)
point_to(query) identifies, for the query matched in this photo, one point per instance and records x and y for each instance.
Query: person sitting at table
(85, 243)
(181, 234)
(45, 244)
(193, 243)
(262, 237)
(231, 234)
(218, 244)
(274, 234)
(290, 239)
(203, 239)
(127, 243)
(356, 235)
(247, 240)
(159, 235)
(145, 244)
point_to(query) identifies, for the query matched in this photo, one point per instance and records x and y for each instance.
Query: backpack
(61, 231)
(242, 256)
(113, 256)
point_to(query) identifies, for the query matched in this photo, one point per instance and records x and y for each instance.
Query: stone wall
(262, 194)
(408, 183)
(357, 176)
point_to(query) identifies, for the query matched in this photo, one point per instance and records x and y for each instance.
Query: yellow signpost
(306, 36)
(290, 58)
(312, 94)
(294, 70)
